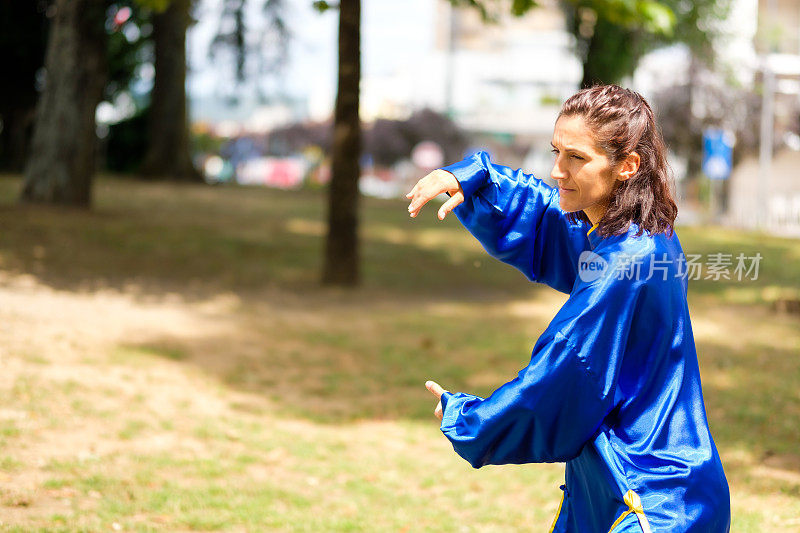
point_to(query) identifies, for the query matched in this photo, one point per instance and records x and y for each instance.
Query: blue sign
(717, 153)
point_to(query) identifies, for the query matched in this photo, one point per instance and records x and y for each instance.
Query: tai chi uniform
(613, 386)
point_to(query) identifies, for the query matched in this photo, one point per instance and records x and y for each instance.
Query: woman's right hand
(431, 186)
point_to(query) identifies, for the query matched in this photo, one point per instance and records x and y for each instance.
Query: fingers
(417, 201)
(419, 197)
(435, 388)
(427, 188)
(450, 204)
(437, 391)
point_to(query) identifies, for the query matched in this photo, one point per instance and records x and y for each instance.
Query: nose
(558, 173)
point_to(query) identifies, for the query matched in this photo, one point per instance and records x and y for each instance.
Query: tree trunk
(341, 248)
(61, 162)
(694, 148)
(168, 154)
(15, 137)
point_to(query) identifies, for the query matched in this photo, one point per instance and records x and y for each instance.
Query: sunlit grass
(256, 399)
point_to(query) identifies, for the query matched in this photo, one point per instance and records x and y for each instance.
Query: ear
(629, 166)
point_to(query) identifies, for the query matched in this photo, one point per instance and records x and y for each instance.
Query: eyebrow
(569, 149)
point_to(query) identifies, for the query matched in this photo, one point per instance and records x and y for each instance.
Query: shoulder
(618, 254)
(631, 268)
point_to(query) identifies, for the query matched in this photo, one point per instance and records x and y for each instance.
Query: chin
(567, 206)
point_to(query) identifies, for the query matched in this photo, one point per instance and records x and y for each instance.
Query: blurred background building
(765, 187)
(501, 85)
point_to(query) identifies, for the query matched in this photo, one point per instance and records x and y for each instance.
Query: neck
(595, 213)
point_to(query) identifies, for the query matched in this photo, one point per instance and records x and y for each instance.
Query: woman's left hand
(437, 391)
(437, 182)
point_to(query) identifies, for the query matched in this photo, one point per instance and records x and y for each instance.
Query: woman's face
(583, 171)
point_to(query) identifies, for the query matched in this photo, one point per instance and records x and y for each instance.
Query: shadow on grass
(198, 241)
(432, 306)
(334, 358)
(362, 360)
(430, 296)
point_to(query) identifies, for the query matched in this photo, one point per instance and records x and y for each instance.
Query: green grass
(259, 400)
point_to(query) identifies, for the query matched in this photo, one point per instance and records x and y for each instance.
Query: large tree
(169, 152)
(612, 38)
(23, 34)
(61, 161)
(341, 265)
(612, 35)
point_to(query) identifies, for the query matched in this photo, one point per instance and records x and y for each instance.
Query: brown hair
(622, 122)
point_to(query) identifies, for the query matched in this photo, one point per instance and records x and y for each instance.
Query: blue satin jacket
(613, 386)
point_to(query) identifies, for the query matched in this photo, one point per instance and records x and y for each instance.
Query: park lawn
(168, 361)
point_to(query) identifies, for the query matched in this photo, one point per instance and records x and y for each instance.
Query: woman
(613, 387)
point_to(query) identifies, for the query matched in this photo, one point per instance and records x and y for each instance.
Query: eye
(555, 151)
(574, 156)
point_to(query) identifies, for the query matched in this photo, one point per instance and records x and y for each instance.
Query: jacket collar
(594, 237)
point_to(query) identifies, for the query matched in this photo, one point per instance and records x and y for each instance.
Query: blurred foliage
(232, 18)
(520, 7)
(129, 45)
(390, 141)
(687, 109)
(294, 138)
(698, 25)
(262, 47)
(157, 6)
(612, 39)
(24, 30)
(735, 110)
(126, 143)
(608, 51)
(612, 35)
(322, 6)
(655, 17)
(205, 142)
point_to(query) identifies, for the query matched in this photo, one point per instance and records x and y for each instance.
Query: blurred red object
(122, 16)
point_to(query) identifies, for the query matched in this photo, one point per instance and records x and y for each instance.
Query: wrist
(450, 184)
(470, 174)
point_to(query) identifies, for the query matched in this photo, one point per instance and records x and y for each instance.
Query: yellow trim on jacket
(634, 504)
(558, 513)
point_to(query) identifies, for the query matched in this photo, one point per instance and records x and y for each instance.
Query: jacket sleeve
(517, 219)
(557, 403)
